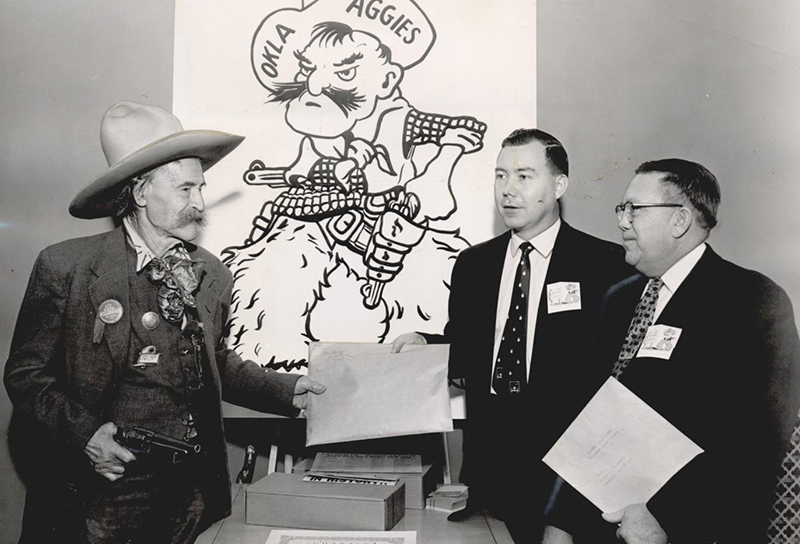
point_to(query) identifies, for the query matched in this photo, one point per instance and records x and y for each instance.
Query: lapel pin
(150, 320)
(110, 311)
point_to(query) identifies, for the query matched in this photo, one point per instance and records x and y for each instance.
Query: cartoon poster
(372, 127)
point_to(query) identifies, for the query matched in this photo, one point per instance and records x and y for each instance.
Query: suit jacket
(731, 385)
(561, 341)
(57, 376)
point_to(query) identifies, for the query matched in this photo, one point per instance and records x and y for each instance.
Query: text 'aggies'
(387, 15)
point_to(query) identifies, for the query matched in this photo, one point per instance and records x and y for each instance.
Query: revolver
(140, 440)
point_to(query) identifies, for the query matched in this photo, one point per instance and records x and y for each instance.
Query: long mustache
(192, 216)
(346, 100)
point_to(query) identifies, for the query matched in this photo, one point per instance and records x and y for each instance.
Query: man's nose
(198, 202)
(510, 187)
(623, 223)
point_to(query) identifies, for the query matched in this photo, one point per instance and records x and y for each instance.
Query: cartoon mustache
(346, 100)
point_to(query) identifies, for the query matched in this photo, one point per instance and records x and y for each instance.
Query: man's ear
(138, 190)
(562, 182)
(394, 75)
(682, 221)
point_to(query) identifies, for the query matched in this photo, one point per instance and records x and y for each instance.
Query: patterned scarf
(177, 282)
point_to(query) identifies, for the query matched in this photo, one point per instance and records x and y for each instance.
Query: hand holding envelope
(373, 393)
(619, 451)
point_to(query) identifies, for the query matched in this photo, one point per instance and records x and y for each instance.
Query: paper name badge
(563, 296)
(659, 341)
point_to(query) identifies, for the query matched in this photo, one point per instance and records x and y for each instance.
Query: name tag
(148, 357)
(563, 296)
(659, 341)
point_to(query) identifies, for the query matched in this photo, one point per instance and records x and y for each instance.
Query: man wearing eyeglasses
(728, 377)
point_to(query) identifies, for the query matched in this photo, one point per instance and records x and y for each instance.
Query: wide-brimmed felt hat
(137, 138)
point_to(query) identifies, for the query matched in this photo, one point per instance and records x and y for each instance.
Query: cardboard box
(285, 500)
(418, 486)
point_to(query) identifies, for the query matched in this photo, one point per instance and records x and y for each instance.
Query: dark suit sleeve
(457, 312)
(737, 483)
(781, 358)
(244, 382)
(35, 373)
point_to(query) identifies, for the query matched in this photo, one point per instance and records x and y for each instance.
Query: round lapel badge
(110, 311)
(150, 320)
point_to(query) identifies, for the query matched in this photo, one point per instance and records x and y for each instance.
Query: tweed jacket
(60, 378)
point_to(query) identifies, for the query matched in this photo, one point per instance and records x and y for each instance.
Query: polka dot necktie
(511, 369)
(642, 319)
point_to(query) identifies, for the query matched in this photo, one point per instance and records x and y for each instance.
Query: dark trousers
(152, 503)
(148, 507)
(503, 467)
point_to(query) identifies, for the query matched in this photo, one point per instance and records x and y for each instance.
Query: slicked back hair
(554, 152)
(690, 181)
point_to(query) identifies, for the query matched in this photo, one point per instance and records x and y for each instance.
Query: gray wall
(619, 82)
(61, 65)
(713, 81)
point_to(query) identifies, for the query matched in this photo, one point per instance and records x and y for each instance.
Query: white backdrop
(294, 281)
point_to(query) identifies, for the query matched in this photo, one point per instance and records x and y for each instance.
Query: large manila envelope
(619, 451)
(373, 393)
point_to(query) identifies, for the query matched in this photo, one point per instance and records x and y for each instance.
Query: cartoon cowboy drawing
(665, 344)
(357, 206)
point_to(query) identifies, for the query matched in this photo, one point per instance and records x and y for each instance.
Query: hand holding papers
(619, 451)
(372, 393)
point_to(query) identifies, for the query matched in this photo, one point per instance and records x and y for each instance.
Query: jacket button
(185, 351)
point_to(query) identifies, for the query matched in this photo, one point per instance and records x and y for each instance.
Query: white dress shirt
(673, 278)
(540, 260)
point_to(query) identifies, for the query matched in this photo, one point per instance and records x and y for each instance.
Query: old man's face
(173, 202)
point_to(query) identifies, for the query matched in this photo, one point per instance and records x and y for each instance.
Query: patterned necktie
(511, 372)
(642, 319)
(177, 282)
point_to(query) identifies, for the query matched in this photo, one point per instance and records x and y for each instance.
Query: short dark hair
(691, 181)
(553, 150)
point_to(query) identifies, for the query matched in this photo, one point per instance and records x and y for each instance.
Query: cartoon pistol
(392, 240)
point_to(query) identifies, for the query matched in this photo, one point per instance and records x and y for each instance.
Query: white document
(367, 462)
(373, 393)
(300, 536)
(619, 451)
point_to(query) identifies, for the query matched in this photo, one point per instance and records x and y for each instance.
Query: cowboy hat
(137, 138)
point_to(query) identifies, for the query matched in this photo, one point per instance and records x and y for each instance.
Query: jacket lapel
(559, 267)
(111, 272)
(206, 302)
(683, 304)
(486, 286)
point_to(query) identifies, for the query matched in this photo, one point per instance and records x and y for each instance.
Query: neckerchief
(172, 272)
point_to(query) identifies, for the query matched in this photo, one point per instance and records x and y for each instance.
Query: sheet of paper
(299, 536)
(367, 462)
(373, 393)
(619, 451)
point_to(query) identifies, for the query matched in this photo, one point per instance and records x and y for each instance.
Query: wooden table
(431, 525)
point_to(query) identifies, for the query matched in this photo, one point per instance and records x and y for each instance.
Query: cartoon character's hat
(136, 138)
(400, 25)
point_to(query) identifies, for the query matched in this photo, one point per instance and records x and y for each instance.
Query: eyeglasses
(626, 210)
